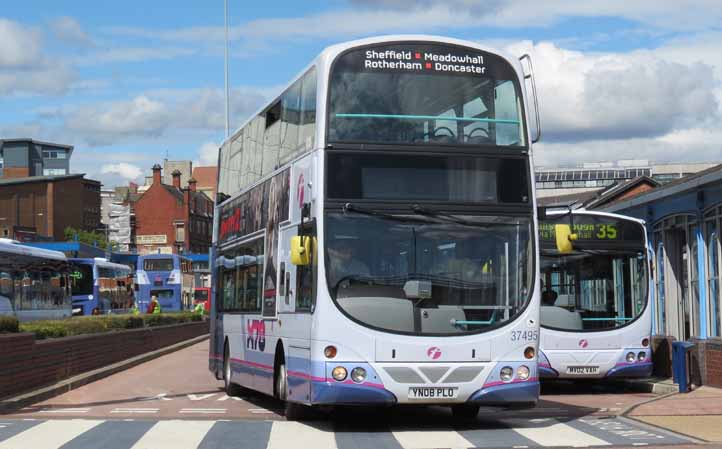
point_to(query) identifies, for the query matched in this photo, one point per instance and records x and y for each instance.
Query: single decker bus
(34, 283)
(595, 313)
(168, 277)
(100, 286)
(375, 235)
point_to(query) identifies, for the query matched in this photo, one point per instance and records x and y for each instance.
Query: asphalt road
(175, 402)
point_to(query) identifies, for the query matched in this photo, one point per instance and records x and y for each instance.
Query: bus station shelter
(683, 220)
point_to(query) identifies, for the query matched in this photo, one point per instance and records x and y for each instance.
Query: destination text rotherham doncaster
(407, 60)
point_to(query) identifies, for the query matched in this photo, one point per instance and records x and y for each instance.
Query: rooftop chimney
(192, 184)
(176, 179)
(156, 174)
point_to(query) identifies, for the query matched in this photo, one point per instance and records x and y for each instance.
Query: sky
(130, 83)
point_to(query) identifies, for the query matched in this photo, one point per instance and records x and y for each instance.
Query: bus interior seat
(381, 311)
(559, 317)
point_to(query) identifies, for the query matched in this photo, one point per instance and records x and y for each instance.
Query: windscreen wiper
(349, 207)
(419, 210)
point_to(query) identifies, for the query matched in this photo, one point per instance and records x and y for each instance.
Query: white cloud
(158, 113)
(132, 54)
(593, 96)
(127, 171)
(208, 154)
(19, 45)
(68, 30)
(422, 16)
(24, 69)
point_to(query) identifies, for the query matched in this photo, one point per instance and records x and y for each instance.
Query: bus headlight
(358, 374)
(507, 373)
(641, 356)
(522, 372)
(631, 357)
(339, 373)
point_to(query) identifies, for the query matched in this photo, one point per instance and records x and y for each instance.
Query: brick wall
(26, 364)
(713, 362)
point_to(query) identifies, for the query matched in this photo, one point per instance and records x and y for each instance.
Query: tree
(91, 238)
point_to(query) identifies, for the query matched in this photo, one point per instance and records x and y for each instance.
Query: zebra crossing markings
(210, 434)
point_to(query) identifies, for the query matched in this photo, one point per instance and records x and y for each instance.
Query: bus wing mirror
(300, 250)
(564, 238)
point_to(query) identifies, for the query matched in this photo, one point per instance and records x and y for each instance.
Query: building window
(713, 250)
(54, 171)
(54, 154)
(180, 232)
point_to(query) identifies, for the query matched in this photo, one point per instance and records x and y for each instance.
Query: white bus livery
(595, 314)
(375, 239)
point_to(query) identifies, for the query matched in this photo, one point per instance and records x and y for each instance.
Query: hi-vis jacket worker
(199, 309)
(154, 306)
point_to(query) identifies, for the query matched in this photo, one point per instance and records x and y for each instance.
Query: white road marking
(225, 397)
(640, 444)
(134, 410)
(200, 397)
(207, 411)
(50, 434)
(65, 410)
(285, 434)
(175, 434)
(158, 397)
(258, 411)
(422, 439)
(560, 435)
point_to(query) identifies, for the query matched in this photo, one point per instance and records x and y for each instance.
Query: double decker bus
(168, 277)
(375, 237)
(595, 313)
(34, 282)
(100, 286)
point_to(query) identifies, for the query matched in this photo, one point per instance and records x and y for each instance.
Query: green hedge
(9, 324)
(102, 323)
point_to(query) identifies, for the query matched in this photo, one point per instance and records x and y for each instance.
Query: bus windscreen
(602, 283)
(424, 94)
(81, 280)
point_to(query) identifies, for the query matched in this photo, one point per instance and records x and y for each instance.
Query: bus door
(296, 300)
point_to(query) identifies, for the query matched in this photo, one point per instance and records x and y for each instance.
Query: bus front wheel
(292, 411)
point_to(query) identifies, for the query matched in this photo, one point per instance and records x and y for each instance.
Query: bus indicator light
(330, 352)
(645, 342)
(529, 352)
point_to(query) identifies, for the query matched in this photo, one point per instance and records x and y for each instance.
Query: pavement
(174, 402)
(697, 414)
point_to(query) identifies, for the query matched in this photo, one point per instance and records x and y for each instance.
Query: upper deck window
(424, 94)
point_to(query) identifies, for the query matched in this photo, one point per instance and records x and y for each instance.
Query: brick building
(171, 218)
(43, 206)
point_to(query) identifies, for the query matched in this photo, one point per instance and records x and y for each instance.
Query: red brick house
(171, 218)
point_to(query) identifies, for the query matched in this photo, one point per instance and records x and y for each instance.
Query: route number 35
(525, 335)
(607, 232)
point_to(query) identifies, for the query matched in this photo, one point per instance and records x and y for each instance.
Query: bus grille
(410, 375)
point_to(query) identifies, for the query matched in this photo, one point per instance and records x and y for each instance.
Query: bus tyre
(466, 412)
(292, 411)
(231, 388)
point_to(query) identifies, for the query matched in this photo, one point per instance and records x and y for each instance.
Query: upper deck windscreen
(424, 94)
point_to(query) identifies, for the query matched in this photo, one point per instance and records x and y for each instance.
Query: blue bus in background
(167, 276)
(99, 286)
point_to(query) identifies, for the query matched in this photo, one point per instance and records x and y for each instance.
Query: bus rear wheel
(230, 388)
(465, 412)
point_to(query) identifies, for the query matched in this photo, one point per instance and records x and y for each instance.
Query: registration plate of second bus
(433, 392)
(582, 370)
